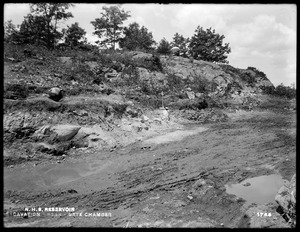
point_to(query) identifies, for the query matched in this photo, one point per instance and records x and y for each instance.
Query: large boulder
(175, 49)
(65, 132)
(55, 93)
(59, 132)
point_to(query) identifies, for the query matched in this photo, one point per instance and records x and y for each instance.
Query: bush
(152, 64)
(285, 91)
(16, 91)
(260, 73)
(268, 89)
(175, 82)
(187, 104)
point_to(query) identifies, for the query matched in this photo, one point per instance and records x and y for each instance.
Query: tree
(50, 14)
(182, 43)
(33, 30)
(10, 31)
(74, 34)
(137, 38)
(208, 45)
(164, 47)
(109, 25)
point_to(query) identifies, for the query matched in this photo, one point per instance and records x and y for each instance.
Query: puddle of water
(51, 175)
(261, 190)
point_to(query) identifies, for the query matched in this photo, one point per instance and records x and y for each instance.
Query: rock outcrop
(286, 199)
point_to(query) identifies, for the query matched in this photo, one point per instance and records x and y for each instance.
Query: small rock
(130, 103)
(72, 191)
(57, 75)
(144, 119)
(190, 197)
(11, 59)
(190, 94)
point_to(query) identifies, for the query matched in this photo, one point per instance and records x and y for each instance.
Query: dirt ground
(154, 182)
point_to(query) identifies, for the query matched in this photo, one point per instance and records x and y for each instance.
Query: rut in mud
(177, 183)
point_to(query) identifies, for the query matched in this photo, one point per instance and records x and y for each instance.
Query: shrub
(16, 91)
(152, 64)
(175, 82)
(260, 73)
(285, 91)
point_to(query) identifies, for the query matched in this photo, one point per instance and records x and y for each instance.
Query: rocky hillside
(155, 140)
(98, 99)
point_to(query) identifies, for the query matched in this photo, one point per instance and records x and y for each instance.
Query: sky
(260, 35)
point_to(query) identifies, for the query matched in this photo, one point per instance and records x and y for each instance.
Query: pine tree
(208, 45)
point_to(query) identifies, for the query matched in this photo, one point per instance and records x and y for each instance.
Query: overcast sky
(260, 35)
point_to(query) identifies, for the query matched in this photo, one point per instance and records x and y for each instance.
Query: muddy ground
(172, 180)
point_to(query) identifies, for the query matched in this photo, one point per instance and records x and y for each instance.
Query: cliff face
(217, 76)
(198, 78)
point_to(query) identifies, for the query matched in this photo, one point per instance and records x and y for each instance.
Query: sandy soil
(153, 183)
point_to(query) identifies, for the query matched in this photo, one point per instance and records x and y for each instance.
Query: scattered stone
(199, 95)
(132, 112)
(190, 94)
(12, 59)
(57, 75)
(144, 119)
(190, 197)
(130, 103)
(81, 113)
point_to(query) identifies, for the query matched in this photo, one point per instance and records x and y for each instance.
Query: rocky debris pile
(16, 91)
(18, 125)
(286, 199)
(204, 116)
(54, 139)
